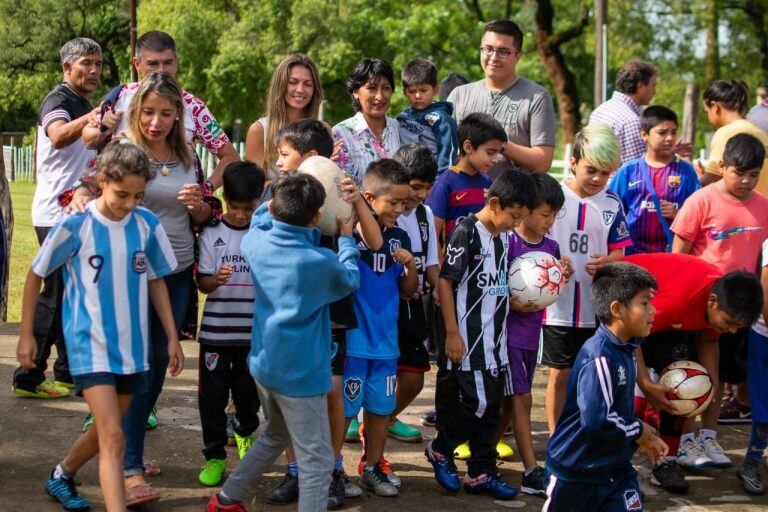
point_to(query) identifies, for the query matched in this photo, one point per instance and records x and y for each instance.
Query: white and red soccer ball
(536, 278)
(691, 385)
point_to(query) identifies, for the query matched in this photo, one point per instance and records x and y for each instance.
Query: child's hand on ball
(524, 307)
(565, 261)
(350, 191)
(346, 225)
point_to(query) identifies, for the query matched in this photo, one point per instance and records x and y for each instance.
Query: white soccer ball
(692, 384)
(329, 174)
(536, 278)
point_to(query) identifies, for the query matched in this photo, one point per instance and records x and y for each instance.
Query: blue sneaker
(63, 490)
(446, 473)
(488, 483)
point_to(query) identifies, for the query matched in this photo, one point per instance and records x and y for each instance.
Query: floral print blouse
(360, 146)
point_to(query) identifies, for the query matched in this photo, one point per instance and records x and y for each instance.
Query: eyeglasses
(501, 53)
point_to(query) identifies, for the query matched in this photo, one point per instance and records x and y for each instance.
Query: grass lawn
(23, 247)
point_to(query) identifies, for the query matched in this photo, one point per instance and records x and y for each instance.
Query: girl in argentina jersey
(114, 256)
(591, 231)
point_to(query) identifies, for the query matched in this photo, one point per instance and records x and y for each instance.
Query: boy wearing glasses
(523, 107)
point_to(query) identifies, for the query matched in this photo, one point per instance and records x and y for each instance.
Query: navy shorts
(621, 495)
(132, 384)
(758, 381)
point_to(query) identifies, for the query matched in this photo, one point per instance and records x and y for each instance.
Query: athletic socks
(706, 433)
(758, 440)
(293, 468)
(338, 464)
(60, 472)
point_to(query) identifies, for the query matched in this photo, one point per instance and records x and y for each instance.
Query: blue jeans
(135, 420)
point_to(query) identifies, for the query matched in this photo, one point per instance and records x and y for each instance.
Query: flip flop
(151, 468)
(140, 495)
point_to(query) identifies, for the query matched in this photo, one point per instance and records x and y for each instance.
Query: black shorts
(411, 333)
(338, 351)
(131, 384)
(562, 344)
(734, 350)
(664, 348)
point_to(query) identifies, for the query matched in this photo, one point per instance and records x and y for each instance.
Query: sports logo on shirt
(352, 387)
(139, 262)
(361, 246)
(394, 245)
(211, 360)
(728, 233)
(424, 228)
(622, 376)
(632, 500)
(453, 253)
(608, 217)
(219, 243)
(622, 231)
(633, 184)
(674, 181)
(432, 118)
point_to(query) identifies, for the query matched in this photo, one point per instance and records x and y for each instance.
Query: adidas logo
(219, 243)
(361, 246)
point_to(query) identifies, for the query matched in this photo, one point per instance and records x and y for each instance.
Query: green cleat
(152, 419)
(88, 422)
(243, 444)
(67, 385)
(403, 432)
(353, 434)
(46, 389)
(213, 471)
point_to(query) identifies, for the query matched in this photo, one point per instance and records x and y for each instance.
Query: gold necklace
(164, 171)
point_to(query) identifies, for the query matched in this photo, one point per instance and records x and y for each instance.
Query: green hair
(597, 143)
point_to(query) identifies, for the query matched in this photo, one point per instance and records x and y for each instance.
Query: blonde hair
(275, 109)
(597, 143)
(167, 88)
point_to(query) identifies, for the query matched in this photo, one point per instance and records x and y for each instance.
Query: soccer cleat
(715, 452)
(64, 384)
(286, 492)
(375, 480)
(351, 489)
(488, 483)
(88, 422)
(152, 419)
(691, 455)
(336, 492)
(352, 435)
(214, 505)
(428, 419)
(403, 432)
(212, 472)
(387, 470)
(243, 444)
(504, 451)
(732, 412)
(749, 475)
(462, 452)
(668, 475)
(63, 490)
(446, 473)
(46, 389)
(534, 483)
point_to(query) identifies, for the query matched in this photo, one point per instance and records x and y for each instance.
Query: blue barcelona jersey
(106, 266)
(674, 183)
(377, 300)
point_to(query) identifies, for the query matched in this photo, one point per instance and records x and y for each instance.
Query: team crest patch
(453, 253)
(139, 262)
(211, 360)
(352, 387)
(432, 118)
(424, 231)
(632, 500)
(394, 245)
(608, 217)
(674, 181)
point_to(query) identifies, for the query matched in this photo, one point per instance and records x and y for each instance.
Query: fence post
(690, 111)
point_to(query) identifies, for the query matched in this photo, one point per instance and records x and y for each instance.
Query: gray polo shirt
(525, 110)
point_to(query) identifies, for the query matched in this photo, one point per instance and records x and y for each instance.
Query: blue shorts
(621, 495)
(132, 384)
(757, 380)
(370, 384)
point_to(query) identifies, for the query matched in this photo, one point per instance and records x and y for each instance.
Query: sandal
(140, 494)
(151, 468)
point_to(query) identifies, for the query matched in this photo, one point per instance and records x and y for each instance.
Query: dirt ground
(34, 435)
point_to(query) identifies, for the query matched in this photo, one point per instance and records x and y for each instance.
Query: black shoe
(732, 412)
(286, 492)
(428, 419)
(336, 491)
(668, 475)
(533, 482)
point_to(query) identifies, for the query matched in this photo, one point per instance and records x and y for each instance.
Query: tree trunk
(712, 52)
(563, 80)
(7, 211)
(757, 15)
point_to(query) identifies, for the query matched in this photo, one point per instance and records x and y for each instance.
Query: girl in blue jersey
(114, 255)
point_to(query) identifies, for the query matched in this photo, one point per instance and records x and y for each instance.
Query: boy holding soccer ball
(589, 455)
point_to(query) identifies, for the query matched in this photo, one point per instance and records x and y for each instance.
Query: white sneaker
(715, 452)
(691, 455)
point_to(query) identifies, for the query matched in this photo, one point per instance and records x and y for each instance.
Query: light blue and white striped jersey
(106, 266)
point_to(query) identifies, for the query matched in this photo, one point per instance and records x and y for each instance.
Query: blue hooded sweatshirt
(594, 440)
(435, 128)
(295, 281)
